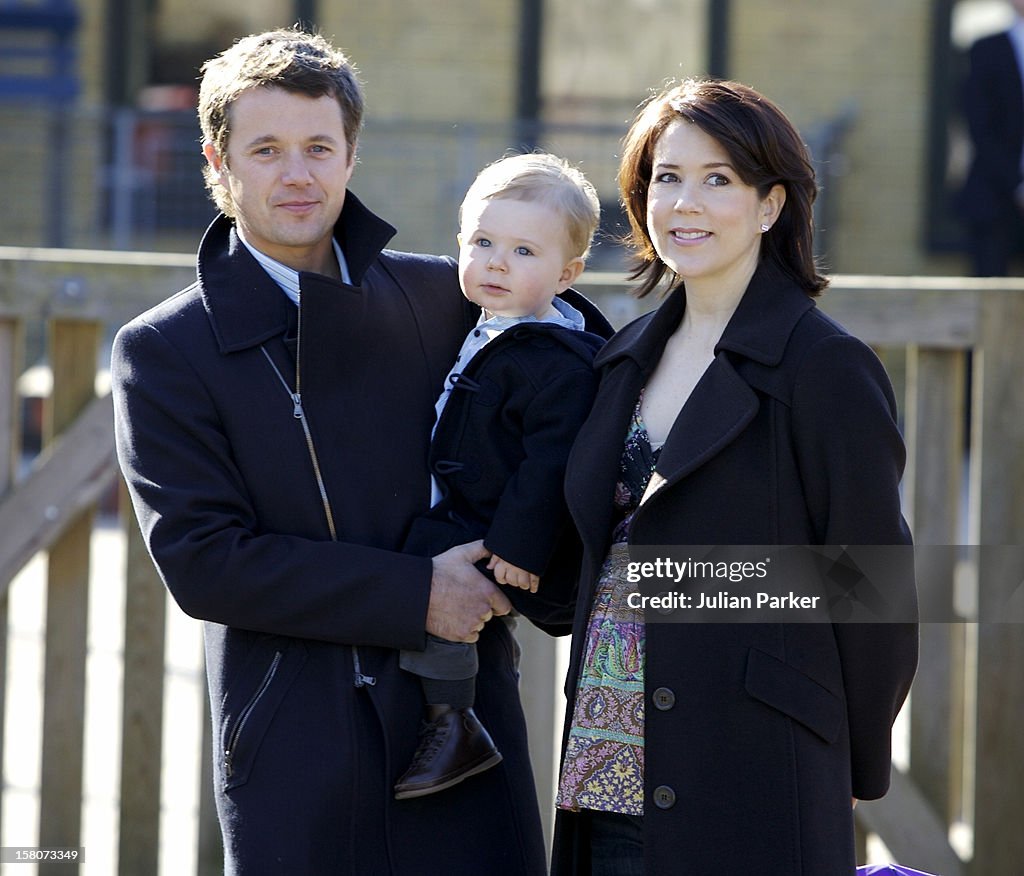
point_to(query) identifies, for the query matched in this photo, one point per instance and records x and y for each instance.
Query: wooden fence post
(74, 345)
(997, 518)
(11, 339)
(935, 413)
(11, 342)
(142, 717)
(537, 687)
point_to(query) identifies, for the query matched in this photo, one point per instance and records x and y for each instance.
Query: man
(276, 456)
(992, 199)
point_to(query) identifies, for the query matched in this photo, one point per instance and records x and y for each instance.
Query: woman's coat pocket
(781, 686)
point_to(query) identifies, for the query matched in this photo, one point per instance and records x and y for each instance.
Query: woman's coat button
(664, 797)
(664, 699)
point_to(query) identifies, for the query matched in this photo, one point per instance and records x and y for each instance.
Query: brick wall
(427, 61)
(456, 65)
(814, 57)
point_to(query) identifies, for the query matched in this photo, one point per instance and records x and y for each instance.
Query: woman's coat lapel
(721, 406)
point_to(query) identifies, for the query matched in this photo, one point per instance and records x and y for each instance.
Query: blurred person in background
(991, 202)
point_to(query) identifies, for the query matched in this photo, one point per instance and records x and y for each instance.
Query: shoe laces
(433, 737)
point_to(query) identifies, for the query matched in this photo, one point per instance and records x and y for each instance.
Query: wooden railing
(966, 756)
(966, 761)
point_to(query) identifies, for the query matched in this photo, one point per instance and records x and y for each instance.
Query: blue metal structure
(37, 51)
(37, 65)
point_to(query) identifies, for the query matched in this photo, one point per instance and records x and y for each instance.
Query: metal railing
(131, 179)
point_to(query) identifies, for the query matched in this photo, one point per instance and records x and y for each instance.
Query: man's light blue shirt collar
(288, 278)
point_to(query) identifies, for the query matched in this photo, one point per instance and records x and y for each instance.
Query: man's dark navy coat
(313, 720)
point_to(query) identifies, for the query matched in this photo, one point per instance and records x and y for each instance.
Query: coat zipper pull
(360, 679)
(229, 768)
(297, 411)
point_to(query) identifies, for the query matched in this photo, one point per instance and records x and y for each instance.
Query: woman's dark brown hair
(763, 147)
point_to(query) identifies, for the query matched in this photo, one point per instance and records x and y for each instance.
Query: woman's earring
(765, 227)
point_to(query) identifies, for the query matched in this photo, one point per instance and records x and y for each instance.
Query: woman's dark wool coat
(308, 744)
(760, 733)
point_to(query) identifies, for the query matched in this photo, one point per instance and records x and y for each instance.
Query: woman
(734, 414)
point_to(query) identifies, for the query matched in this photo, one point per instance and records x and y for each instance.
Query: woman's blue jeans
(616, 844)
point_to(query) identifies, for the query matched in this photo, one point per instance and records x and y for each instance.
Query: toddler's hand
(513, 576)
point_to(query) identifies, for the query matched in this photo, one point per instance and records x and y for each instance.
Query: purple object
(890, 870)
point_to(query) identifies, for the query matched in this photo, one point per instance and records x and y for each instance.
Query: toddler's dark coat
(500, 449)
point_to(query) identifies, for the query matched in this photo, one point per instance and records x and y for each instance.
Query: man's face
(287, 168)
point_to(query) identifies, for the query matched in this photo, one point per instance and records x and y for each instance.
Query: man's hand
(462, 599)
(514, 576)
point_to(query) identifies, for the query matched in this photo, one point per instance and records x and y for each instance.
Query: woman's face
(704, 221)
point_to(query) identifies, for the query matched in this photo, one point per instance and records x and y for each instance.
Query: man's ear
(570, 273)
(212, 157)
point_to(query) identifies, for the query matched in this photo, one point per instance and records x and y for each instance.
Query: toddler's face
(514, 256)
